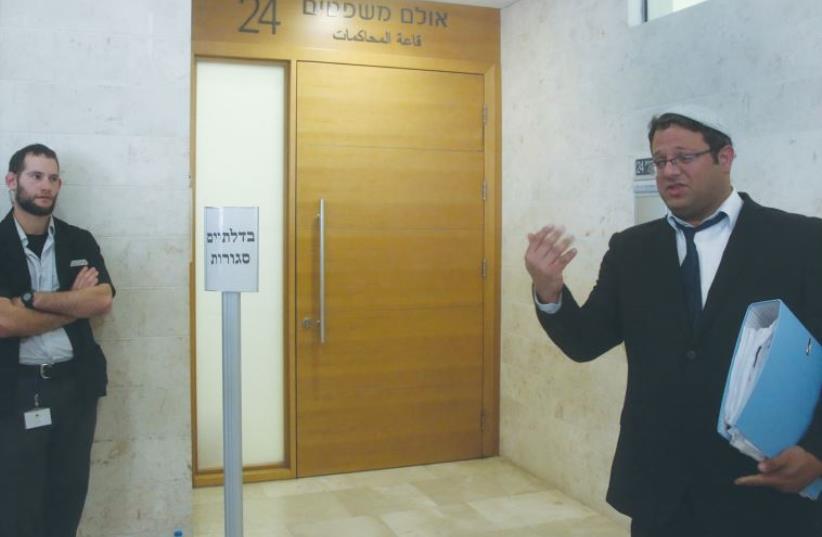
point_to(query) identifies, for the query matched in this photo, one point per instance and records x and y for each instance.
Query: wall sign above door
(387, 26)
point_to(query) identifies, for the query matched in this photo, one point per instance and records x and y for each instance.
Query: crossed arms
(86, 298)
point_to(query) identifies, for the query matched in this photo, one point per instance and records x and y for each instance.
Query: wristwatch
(27, 299)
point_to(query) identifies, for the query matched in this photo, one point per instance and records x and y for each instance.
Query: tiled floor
(484, 498)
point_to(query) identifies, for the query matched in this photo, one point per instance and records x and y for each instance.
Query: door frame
(207, 44)
(251, 473)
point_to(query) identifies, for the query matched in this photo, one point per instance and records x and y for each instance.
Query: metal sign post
(232, 266)
(232, 417)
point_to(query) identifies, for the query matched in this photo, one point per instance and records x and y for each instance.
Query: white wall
(579, 87)
(106, 84)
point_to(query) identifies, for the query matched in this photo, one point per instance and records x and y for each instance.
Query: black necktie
(690, 267)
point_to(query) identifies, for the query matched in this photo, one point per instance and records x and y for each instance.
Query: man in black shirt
(52, 371)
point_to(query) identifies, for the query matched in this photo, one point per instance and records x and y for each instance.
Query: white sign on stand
(231, 252)
(232, 266)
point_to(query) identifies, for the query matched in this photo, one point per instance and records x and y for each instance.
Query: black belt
(48, 371)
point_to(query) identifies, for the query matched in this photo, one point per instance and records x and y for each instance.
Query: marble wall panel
(161, 363)
(81, 16)
(90, 58)
(113, 160)
(141, 511)
(72, 108)
(146, 313)
(160, 60)
(128, 211)
(89, 160)
(23, 58)
(149, 113)
(142, 412)
(147, 262)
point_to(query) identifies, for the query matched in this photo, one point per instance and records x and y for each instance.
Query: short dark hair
(18, 159)
(715, 139)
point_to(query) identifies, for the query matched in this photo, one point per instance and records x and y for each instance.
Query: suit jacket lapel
(10, 244)
(737, 255)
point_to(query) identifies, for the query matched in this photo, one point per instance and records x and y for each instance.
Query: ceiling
(484, 3)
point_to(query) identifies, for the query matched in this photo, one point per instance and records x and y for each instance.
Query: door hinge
(484, 190)
(485, 114)
(484, 268)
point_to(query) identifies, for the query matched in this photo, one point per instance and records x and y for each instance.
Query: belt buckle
(43, 371)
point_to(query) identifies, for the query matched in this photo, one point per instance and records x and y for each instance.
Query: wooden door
(397, 155)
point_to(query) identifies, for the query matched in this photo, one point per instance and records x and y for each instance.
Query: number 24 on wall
(267, 17)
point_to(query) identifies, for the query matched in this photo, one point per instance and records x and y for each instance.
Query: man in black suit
(52, 280)
(674, 291)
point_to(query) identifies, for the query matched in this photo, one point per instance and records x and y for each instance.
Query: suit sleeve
(95, 259)
(812, 441)
(586, 332)
(5, 286)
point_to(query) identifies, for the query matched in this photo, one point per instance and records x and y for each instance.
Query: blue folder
(785, 378)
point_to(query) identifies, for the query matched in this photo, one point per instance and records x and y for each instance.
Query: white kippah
(700, 114)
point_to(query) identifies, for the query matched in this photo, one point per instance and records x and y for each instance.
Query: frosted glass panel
(240, 144)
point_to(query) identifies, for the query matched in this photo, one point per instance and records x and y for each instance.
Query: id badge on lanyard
(38, 416)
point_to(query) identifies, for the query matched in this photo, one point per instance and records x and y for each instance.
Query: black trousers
(44, 472)
(753, 512)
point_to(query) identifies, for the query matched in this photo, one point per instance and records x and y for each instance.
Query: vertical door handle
(321, 217)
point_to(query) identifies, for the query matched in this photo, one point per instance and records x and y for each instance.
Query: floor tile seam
(584, 513)
(443, 503)
(615, 531)
(388, 509)
(581, 517)
(531, 525)
(215, 498)
(285, 519)
(381, 517)
(426, 509)
(439, 509)
(553, 491)
(291, 527)
(487, 478)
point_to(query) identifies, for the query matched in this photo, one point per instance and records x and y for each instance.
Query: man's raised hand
(547, 256)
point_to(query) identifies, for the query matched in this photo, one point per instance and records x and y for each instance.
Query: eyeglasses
(683, 159)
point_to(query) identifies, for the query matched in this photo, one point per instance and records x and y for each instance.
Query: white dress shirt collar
(732, 206)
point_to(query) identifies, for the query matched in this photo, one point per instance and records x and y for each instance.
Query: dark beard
(28, 205)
